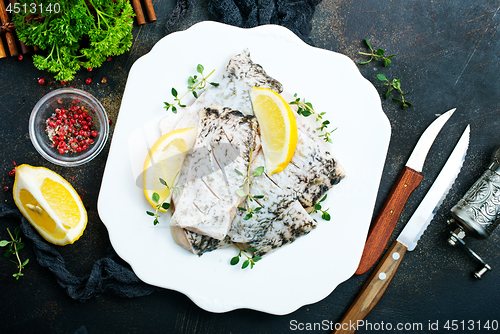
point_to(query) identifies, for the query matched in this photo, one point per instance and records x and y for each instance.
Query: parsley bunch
(82, 33)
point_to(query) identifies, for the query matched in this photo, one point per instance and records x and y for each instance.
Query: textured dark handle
(373, 289)
(384, 224)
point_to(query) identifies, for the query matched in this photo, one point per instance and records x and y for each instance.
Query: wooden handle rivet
(395, 256)
(392, 211)
(405, 185)
(382, 276)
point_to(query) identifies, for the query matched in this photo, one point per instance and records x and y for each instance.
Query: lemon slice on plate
(278, 128)
(50, 204)
(164, 161)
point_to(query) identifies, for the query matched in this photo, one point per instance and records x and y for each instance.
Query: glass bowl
(45, 131)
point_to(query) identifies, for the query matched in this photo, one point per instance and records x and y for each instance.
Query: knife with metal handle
(407, 240)
(383, 226)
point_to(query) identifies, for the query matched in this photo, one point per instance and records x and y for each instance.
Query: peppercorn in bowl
(68, 127)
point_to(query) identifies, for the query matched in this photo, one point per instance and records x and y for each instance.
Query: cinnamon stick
(2, 50)
(138, 12)
(24, 48)
(9, 36)
(150, 11)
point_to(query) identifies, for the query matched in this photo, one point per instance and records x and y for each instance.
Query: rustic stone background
(447, 54)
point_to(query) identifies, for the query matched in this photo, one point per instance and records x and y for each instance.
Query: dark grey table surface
(447, 55)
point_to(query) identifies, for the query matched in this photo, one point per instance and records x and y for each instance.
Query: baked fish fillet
(208, 201)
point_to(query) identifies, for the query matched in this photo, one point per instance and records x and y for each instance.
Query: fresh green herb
(82, 33)
(395, 84)
(324, 214)
(15, 245)
(306, 109)
(244, 190)
(196, 84)
(378, 54)
(249, 261)
(161, 204)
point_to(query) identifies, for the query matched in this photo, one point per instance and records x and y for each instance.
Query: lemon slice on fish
(50, 204)
(164, 161)
(278, 128)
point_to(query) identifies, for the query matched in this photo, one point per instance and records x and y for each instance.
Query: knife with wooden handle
(407, 240)
(383, 226)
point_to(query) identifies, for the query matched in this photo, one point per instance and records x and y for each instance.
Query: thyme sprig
(395, 84)
(161, 204)
(378, 54)
(15, 245)
(324, 214)
(196, 84)
(249, 261)
(244, 190)
(306, 109)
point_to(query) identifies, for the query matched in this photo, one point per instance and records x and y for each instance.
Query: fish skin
(208, 201)
(313, 170)
(292, 223)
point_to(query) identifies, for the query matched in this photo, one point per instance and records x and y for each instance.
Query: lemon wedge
(278, 128)
(50, 204)
(164, 161)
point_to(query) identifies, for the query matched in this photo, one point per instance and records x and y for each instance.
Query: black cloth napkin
(108, 276)
(295, 15)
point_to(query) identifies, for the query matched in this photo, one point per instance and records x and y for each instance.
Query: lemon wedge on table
(50, 204)
(164, 161)
(278, 128)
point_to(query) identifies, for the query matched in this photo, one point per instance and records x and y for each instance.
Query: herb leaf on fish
(317, 207)
(244, 190)
(196, 84)
(306, 109)
(15, 245)
(395, 84)
(160, 204)
(378, 54)
(250, 261)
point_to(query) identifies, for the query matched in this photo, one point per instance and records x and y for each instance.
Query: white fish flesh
(208, 201)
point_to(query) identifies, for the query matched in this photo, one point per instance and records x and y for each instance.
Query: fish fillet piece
(313, 170)
(281, 220)
(208, 201)
(240, 75)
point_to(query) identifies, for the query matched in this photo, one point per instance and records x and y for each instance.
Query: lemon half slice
(164, 160)
(278, 128)
(50, 204)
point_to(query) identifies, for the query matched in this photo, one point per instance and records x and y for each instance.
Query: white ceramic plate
(298, 274)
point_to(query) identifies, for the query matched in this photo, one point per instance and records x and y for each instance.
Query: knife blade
(409, 179)
(407, 240)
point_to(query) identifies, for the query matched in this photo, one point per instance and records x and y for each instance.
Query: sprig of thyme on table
(378, 54)
(196, 84)
(395, 84)
(249, 261)
(306, 109)
(161, 204)
(244, 190)
(317, 207)
(15, 245)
